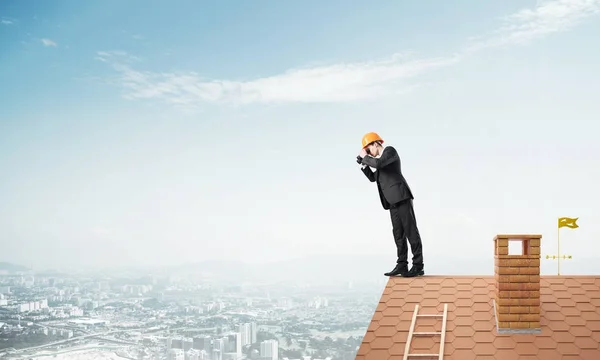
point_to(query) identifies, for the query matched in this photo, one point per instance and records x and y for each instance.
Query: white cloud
(6, 22)
(48, 42)
(529, 24)
(332, 83)
(339, 82)
(116, 57)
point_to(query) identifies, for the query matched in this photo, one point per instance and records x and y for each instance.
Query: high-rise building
(253, 331)
(235, 344)
(203, 343)
(225, 340)
(245, 334)
(217, 355)
(269, 350)
(218, 349)
(248, 333)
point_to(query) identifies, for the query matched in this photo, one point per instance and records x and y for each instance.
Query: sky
(155, 133)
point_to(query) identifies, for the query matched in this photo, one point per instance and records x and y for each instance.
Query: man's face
(372, 149)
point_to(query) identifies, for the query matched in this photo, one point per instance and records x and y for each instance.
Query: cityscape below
(180, 315)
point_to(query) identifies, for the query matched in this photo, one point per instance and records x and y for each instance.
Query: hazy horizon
(230, 131)
(325, 267)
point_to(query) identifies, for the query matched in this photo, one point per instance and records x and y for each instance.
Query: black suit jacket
(391, 184)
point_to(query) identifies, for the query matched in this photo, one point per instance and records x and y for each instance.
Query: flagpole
(558, 250)
(562, 222)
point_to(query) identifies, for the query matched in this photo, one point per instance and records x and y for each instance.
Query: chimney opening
(515, 247)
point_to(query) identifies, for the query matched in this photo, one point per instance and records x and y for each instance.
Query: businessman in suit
(396, 197)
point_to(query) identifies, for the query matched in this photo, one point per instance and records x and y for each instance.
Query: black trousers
(404, 225)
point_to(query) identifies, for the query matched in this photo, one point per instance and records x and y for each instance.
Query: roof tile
(482, 337)
(526, 348)
(592, 315)
(549, 354)
(563, 336)
(482, 349)
(570, 319)
(593, 325)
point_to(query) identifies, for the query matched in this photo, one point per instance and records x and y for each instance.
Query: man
(396, 197)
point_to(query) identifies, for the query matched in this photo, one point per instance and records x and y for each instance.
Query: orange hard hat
(369, 138)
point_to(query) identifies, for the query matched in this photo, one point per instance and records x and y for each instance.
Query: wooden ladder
(411, 333)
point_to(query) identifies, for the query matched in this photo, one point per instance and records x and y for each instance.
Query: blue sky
(144, 133)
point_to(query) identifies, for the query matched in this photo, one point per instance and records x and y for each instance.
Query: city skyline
(136, 134)
(70, 316)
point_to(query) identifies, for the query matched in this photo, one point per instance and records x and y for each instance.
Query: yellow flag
(568, 222)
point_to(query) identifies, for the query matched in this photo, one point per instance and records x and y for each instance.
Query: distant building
(192, 354)
(269, 350)
(220, 306)
(217, 355)
(218, 349)
(177, 343)
(175, 354)
(62, 333)
(187, 344)
(32, 305)
(235, 344)
(248, 333)
(253, 332)
(88, 323)
(150, 340)
(225, 341)
(203, 343)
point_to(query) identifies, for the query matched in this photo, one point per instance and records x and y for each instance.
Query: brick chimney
(517, 278)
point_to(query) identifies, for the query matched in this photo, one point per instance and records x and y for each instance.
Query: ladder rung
(424, 355)
(412, 332)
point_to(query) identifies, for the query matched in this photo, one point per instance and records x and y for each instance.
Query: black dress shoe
(398, 270)
(416, 270)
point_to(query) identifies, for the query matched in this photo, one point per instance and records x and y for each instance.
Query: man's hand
(362, 153)
(359, 160)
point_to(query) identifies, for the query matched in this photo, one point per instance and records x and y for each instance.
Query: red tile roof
(570, 320)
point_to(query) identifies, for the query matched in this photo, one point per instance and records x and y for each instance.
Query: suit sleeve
(368, 173)
(389, 156)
